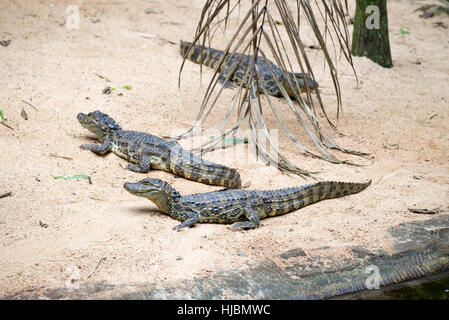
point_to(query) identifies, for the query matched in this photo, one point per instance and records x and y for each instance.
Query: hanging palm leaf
(244, 63)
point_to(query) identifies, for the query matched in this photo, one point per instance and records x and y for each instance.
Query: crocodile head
(99, 123)
(158, 191)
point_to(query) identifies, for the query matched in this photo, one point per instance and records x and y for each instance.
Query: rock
(298, 252)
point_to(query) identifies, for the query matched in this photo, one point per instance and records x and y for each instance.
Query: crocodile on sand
(243, 208)
(211, 58)
(146, 152)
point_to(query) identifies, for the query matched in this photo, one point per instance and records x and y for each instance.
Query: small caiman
(211, 57)
(146, 152)
(243, 208)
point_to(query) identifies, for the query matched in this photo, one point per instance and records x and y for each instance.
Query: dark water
(434, 288)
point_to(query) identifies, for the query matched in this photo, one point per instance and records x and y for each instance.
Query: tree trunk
(370, 36)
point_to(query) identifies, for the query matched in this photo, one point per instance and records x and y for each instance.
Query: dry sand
(54, 69)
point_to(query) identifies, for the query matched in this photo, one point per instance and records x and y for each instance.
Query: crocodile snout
(133, 187)
(128, 186)
(81, 117)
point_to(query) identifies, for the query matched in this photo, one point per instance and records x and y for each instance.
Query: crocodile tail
(184, 47)
(221, 176)
(290, 199)
(208, 173)
(232, 179)
(189, 166)
(329, 190)
(201, 54)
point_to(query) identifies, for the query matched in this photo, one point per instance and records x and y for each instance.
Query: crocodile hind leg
(253, 218)
(192, 218)
(100, 149)
(143, 166)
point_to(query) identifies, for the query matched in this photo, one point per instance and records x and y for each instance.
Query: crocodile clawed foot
(238, 228)
(179, 227)
(241, 226)
(136, 168)
(133, 168)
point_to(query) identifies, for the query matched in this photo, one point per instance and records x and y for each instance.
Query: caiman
(243, 208)
(236, 65)
(146, 152)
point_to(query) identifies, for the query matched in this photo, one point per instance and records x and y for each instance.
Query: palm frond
(258, 35)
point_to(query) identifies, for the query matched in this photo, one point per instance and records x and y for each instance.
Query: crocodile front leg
(192, 218)
(143, 166)
(251, 215)
(100, 149)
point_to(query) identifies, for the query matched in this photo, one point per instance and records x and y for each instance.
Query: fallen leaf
(150, 11)
(75, 177)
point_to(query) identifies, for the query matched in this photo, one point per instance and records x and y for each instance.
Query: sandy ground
(54, 69)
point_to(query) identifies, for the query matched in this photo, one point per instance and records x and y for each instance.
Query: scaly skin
(243, 208)
(211, 58)
(146, 152)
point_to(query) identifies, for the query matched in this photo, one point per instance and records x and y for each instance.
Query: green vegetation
(75, 177)
(233, 141)
(404, 31)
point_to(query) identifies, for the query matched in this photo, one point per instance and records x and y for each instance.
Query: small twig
(98, 265)
(4, 195)
(122, 166)
(6, 125)
(166, 40)
(30, 105)
(171, 23)
(102, 77)
(96, 198)
(54, 155)
(148, 35)
(424, 211)
(155, 36)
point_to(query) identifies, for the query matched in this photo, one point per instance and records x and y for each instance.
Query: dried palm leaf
(257, 35)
